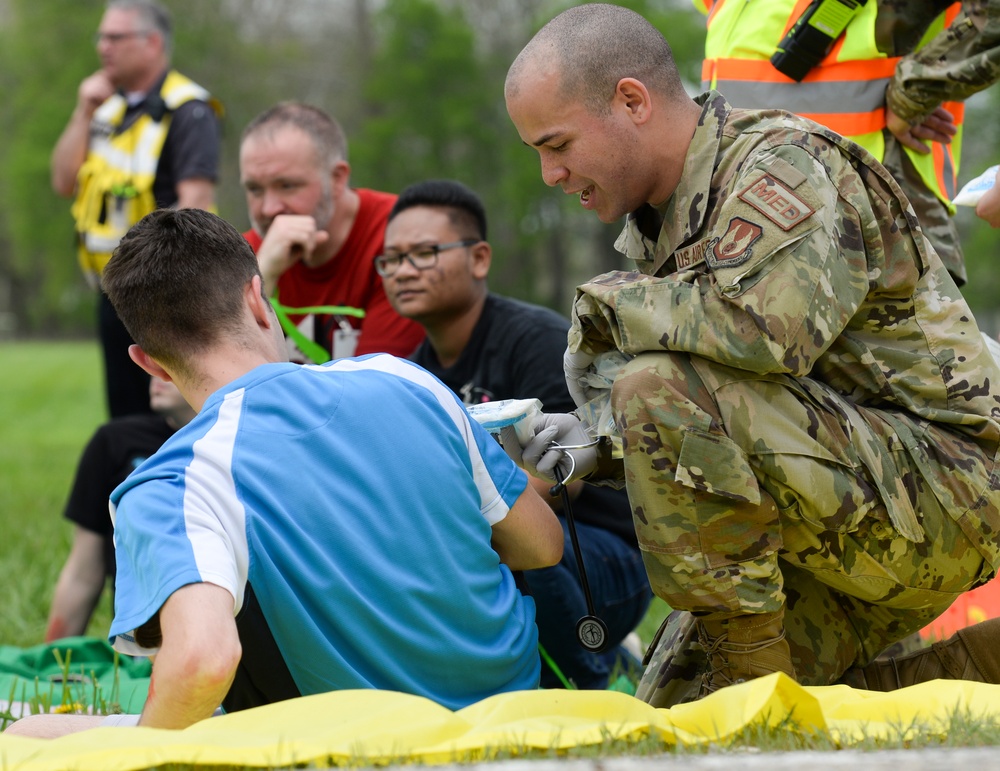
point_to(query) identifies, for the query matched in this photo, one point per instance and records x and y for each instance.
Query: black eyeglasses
(420, 257)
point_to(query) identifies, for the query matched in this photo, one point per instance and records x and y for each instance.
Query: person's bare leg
(52, 726)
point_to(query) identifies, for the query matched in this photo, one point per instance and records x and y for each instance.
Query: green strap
(311, 348)
(329, 310)
(555, 669)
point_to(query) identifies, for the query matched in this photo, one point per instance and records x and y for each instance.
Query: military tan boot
(972, 653)
(743, 648)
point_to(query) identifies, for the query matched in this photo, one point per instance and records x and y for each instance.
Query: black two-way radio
(813, 35)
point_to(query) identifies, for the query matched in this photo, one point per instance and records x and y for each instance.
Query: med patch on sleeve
(776, 200)
(772, 207)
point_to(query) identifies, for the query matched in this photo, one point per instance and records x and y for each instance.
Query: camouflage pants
(752, 492)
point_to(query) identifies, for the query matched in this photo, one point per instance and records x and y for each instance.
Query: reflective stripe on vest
(845, 92)
(115, 182)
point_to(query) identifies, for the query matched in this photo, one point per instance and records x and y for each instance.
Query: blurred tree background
(418, 86)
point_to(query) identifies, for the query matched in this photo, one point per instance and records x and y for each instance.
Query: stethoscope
(591, 631)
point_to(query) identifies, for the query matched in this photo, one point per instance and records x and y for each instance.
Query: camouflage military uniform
(960, 61)
(810, 418)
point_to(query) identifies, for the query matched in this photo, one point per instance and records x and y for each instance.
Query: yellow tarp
(377, 727)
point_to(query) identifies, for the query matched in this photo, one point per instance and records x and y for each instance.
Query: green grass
(650, 624)
(52, 400)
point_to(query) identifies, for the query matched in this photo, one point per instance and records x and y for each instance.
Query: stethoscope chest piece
(592, 633)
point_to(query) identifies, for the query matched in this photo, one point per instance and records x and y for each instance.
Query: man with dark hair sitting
(486, 347)
(295, 537)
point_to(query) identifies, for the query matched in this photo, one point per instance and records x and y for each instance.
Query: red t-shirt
(349, 279)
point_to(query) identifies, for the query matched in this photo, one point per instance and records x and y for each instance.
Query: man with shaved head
(803, 410)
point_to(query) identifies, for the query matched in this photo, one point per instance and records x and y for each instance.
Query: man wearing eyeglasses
(141, 137)
(315, 238)
(486, 348)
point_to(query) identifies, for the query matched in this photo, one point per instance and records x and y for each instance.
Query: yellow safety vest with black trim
(115, 182)
(845, 91)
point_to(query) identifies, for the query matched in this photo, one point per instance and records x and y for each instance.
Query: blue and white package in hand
(496, 416)
(974, 189)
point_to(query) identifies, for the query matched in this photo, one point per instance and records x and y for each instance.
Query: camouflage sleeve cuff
(610, 470)
(910, 110)
(959, 61)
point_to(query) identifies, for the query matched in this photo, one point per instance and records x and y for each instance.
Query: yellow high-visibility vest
(114, 186)
(844, 92)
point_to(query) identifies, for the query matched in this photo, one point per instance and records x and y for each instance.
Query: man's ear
(482, 257)
(149, 364)
(633, 96)
(259, 306)
(341, 176)
(159, 43)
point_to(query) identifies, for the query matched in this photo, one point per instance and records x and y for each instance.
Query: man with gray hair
(316, 238)
(142, 137)
(804, 413)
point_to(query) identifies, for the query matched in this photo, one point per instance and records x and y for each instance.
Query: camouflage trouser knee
(750, 492)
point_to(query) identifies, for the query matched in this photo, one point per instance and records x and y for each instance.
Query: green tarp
(35, 676)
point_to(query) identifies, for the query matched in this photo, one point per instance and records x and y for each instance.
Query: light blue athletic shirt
(357, 498)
